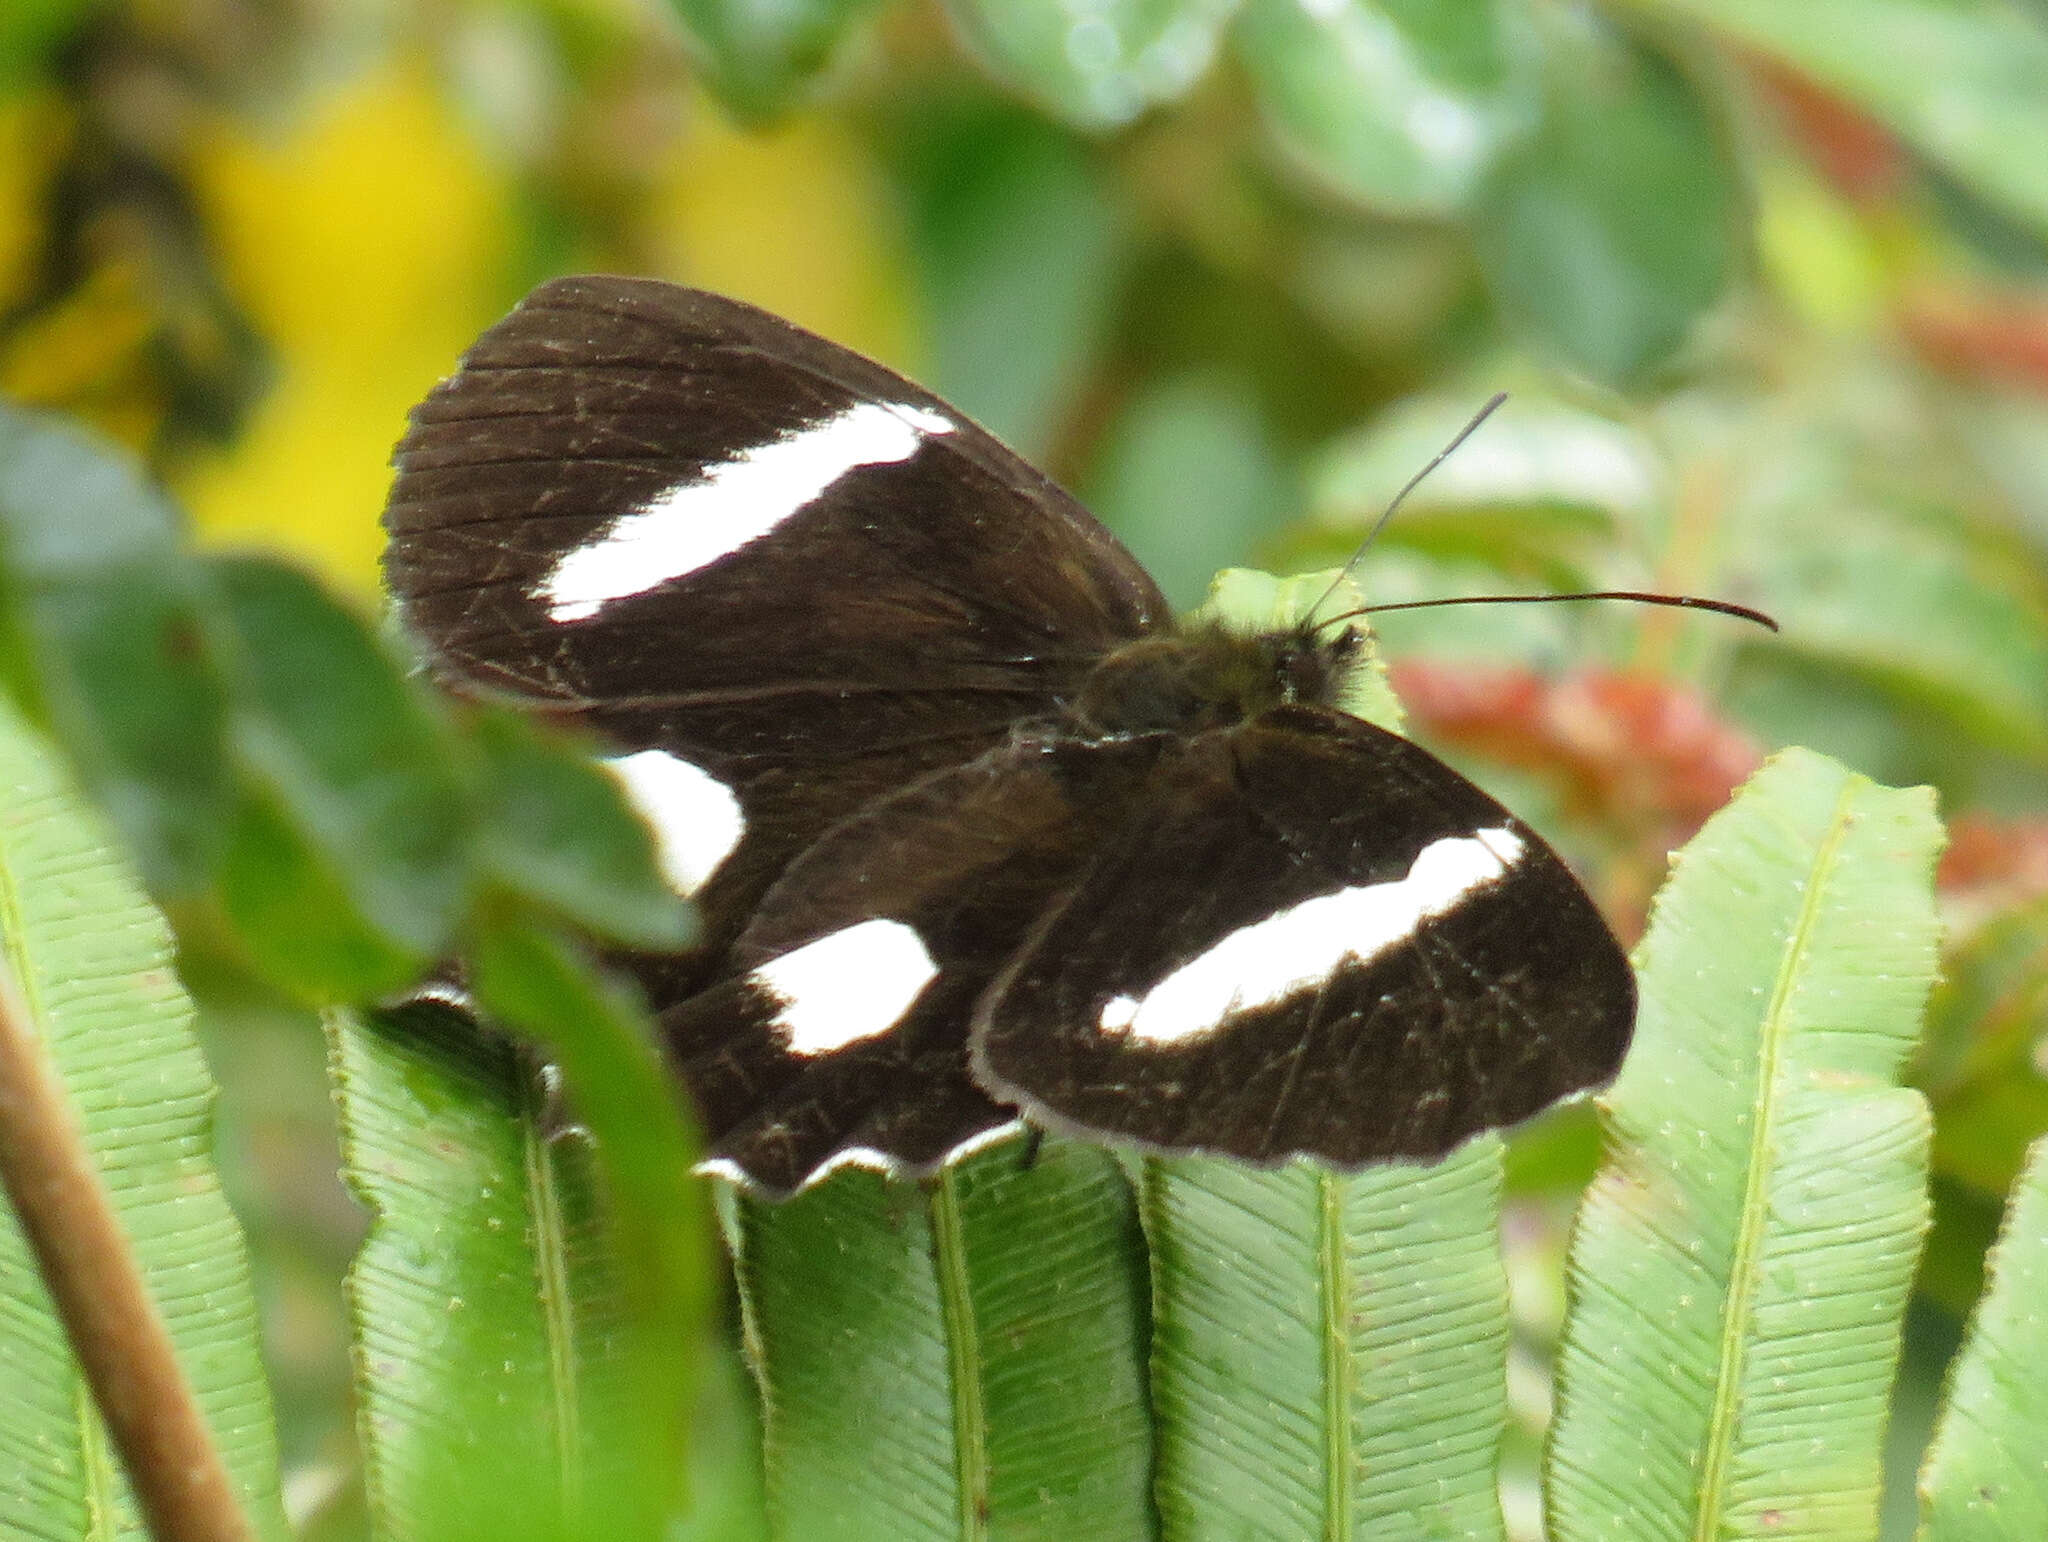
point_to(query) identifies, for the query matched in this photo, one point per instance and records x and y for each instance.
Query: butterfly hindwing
(1310, 937)
(842, 1022)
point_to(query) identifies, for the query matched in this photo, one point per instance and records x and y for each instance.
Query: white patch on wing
(693, 524)
(847, 986)
(695, 818)
(1296, 949)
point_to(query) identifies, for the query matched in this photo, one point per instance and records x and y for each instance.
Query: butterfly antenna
(1634, 596)
(1492, 406)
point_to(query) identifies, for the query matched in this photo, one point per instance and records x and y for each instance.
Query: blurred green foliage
(1769, 284)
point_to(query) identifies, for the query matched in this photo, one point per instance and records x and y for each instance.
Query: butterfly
(1008, 844)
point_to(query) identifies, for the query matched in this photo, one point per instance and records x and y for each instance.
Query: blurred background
(1768, 285)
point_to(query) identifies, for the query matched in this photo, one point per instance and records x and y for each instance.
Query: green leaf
(761, 56)
(350, 864)
(1100, 64)
(1916, 621)
(530, 980)
(1547, 496)
(557, 831)
(1380, 1300)
(1919, 608)
(1019, 242)
(1951, 1278)
(1985, 1479)
(1740, 1266)
(491, 1380)
(1402, 106)
(727, 1502)
(111, 637)
(1979, 1065)
(1536, 455)
(1965, 81)
(71, 504)
(125, 673)
(1613, 228)
(1328, 1352)
(294, 918)
(964, 1361)
(94, 962)
(1189, 478)
(29, 33)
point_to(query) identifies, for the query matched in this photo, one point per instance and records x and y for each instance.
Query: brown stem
(120, 1341)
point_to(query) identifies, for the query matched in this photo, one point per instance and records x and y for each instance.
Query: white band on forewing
(694, 523)
(1297, 949)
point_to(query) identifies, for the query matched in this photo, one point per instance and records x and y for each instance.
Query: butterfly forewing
(705, 532)
(634, 498)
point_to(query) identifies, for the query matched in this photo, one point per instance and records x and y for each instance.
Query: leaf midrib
(963, 1356)
(1742, 1281)
(551, 1279)
(1337, 1369)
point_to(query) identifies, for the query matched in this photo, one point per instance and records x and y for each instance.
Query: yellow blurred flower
(372, 242)
(790, 219)
(369, 244)
(1817, 254)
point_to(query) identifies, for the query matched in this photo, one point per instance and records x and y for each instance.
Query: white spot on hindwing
(695, 818)
(693, 524)
(847, 986)
(1296, 949)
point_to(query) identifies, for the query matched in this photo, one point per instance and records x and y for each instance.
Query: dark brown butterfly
(1011, 843)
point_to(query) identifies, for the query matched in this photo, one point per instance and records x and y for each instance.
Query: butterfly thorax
(1208, 677)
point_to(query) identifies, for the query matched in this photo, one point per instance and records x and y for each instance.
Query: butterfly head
(1313, 664)
(1208, 676)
